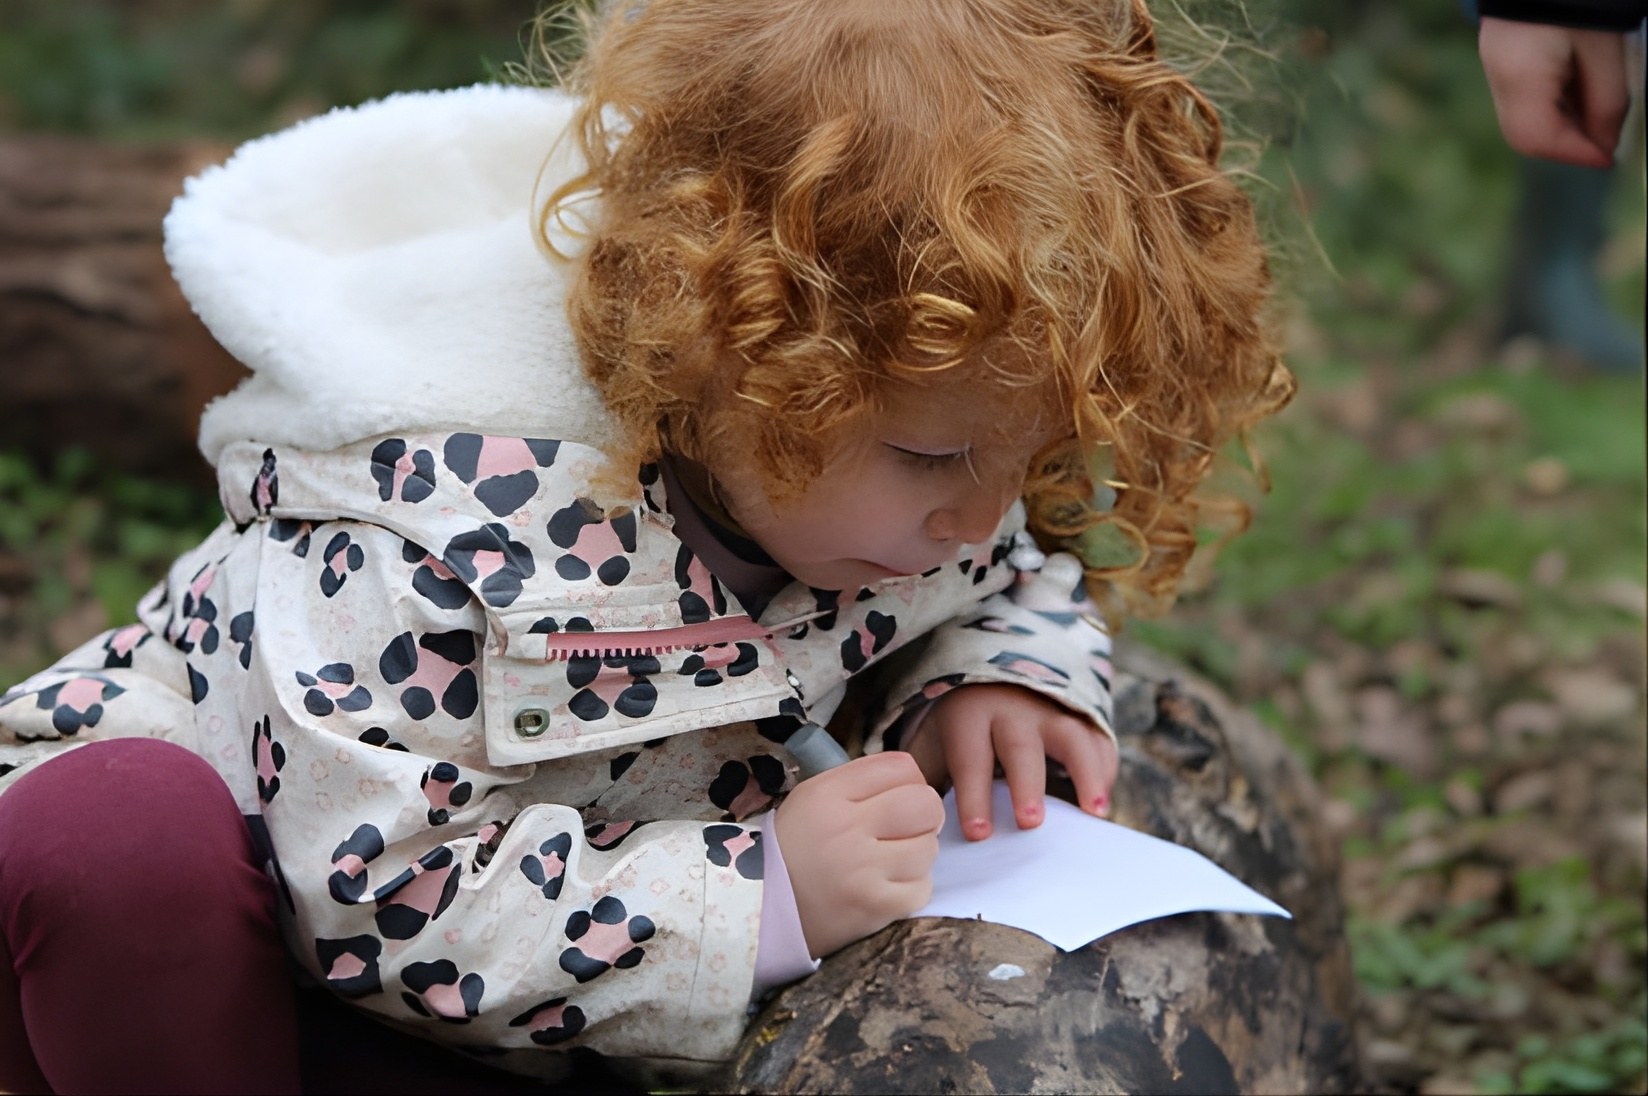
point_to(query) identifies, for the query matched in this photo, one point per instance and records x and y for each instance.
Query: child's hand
(967, 731)
(859, 842)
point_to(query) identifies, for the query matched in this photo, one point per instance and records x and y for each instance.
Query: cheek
(849, 518)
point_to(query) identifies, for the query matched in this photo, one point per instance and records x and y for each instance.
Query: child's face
(938, 468)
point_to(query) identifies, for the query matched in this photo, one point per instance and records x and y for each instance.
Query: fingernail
(980, 826)
(1101, 804)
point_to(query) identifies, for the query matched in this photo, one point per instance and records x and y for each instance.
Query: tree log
(1197, 1003)
(99, 348)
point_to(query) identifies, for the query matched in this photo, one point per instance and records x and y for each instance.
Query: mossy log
(100, 348)
(1197, 1003)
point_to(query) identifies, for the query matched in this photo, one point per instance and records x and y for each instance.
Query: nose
(969, 518)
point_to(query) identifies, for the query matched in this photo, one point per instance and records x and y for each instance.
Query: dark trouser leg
(1555, 290)
(143, 954)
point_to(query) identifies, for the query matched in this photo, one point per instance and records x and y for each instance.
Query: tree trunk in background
(97, 346)
(1197, 1003)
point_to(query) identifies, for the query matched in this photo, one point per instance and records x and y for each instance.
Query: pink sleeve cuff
(781, 954)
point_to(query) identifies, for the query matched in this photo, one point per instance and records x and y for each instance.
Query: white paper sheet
(1075, 878)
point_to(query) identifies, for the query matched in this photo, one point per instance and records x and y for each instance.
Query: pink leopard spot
(125, 641)
(346, 965)
(403, 469)
(605, 942)
(424, 892)
(1035, 671)
(81, 693)
(439, 794)
(596, 542)
(722, 654)
(744, 804)
(504, 457)
(744, 840)
(446, 1001)
(611, 832)
(487, 563)
(433, 673)
(699, 580)
(611, 682)
(203, 581)
(548, 1018)
(266, 765)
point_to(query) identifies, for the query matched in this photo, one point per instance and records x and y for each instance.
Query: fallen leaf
(1522, 719)
(1629, 833)
(1626, 595)
(1465, 800)
(1422, 855)
(1524, 792)
(1590, 697)
(1478, 589)
(1479, 413)
(1529, 841)
(1394, 732)
(1469, 883)
(1550, 569)
(1545, 476)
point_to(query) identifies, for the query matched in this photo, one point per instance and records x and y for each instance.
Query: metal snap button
(531, 722)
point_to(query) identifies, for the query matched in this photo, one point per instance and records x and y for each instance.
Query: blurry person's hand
(1561, 93)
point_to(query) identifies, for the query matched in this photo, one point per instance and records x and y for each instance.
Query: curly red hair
(802, 202)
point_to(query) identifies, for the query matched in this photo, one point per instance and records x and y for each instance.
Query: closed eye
(918, 459)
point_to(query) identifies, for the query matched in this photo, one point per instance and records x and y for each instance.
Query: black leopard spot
(551, 1022)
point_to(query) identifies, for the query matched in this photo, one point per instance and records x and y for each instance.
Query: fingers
(1544, 80)
(906, 812)
(867, 777)
(1604, 96)
(1023, 754)
(1091, 760)
(971, 756)
(1544, 132)
(1534, 120)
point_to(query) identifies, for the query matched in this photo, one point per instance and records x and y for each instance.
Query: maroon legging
(139, 953)
(138, 950)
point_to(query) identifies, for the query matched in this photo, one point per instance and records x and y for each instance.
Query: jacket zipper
(812, 746)
(650, 641)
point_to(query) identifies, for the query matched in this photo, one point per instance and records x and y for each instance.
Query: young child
(511, 723)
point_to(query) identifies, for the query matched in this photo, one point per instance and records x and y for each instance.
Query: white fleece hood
(375, 268)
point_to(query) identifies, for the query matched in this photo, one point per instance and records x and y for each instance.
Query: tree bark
(97, 346)
(1197, 1003)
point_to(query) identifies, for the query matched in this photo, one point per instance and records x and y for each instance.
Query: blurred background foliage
(1440, 603)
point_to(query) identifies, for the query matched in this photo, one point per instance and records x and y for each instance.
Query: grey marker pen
(814, 749)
